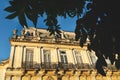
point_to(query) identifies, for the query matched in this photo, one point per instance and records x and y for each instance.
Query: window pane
(46, 55)
(49, 58)
(63, 57)
(45, 58)
(78, 57)
(29, 58)
(93, 57)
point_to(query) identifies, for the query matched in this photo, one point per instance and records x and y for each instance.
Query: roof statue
(15, 33)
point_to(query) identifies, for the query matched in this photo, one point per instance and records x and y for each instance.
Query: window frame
(29, 60)
(78, 57)
(63, 57)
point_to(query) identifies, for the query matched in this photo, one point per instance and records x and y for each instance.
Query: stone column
(8, 77)
(66, 77)
(118, 75)
(18, 78)
(108, 75)
(26, 77)
(93, 75)
(12, 53)
(39, 77)
(40, 74)
(98, 77)
(114, 75)
(74, 77)
(83, 77)
(77, 73)
(84, 74)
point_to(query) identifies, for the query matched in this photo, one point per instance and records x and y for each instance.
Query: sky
(7, 27)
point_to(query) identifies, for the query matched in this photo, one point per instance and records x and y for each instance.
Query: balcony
(84, 66)
(30, 65)
(49, 65)
(46, 40)
(61, 66)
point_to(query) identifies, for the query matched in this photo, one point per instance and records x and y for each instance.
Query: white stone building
(35, 55)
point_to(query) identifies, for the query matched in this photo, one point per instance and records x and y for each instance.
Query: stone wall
(61, 75)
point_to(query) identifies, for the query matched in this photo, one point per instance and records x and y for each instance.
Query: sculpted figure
(23, 32)
(15, 31)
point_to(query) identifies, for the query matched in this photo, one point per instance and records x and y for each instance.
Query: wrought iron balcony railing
(28, 66)
(48, 65)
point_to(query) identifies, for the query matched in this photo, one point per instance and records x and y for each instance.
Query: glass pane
(63, 57)
(29, 58)
(46, 55)
(78, 57)
(45, 58)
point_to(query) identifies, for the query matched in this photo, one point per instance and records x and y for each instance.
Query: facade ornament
(25, 26)
(49, 78)
(15, 33)
(23, 32)
(35, 32)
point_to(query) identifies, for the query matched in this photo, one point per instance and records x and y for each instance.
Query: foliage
(100, 24)
(32, 9)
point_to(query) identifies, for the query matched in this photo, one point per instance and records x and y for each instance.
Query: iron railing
(59, 66)
(48, 65)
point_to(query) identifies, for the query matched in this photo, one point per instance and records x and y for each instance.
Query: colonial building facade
(35, 55)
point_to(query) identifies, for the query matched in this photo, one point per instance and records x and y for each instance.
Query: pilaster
(12, 53)
(93, 74)
(20, 55)
(8, 77)
(99, 76)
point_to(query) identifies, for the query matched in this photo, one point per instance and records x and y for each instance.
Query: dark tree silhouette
(100, 23)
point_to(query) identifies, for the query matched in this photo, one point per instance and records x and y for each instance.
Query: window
(63, 57)
(47, 58)
(29, 58)
(92, 57)
(78, 57)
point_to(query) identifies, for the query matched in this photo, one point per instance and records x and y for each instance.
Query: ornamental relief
(49, 78)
